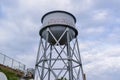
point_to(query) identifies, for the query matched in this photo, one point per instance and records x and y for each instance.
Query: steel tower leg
(69, 57)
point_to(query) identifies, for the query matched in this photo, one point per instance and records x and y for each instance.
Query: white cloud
(44, 5)
(95, 33)
(28, 58)
(99, 61)
(88, 45)
(113, 36)
(95, 30)
(7, 31)
(100, 15)
(118, 20)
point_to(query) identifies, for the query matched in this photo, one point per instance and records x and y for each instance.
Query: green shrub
(10, 75)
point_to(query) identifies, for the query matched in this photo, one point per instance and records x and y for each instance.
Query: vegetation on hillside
(10, 75)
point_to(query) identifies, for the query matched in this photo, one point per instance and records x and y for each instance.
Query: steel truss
(59, 61)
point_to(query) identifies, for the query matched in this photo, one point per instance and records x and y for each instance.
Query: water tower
(58, 55)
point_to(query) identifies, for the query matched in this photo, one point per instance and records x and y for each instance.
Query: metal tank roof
(56, 12)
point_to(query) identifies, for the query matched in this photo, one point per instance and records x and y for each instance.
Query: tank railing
(12, 63)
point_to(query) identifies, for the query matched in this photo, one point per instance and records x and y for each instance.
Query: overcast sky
(98, 23)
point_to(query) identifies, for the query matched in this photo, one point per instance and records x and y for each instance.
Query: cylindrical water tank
(57, 22)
